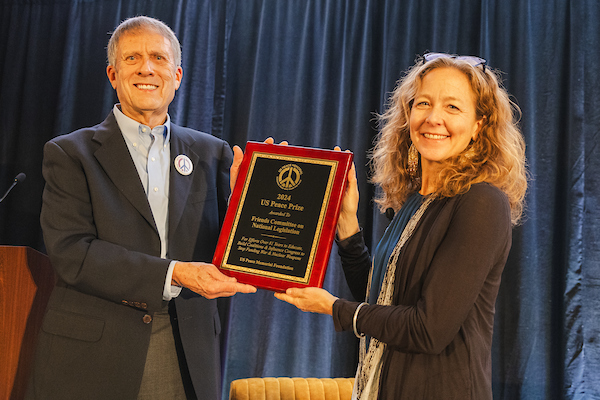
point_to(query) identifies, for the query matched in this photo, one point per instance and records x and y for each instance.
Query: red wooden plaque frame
(261, 190)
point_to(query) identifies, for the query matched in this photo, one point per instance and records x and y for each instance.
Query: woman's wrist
(347, 229)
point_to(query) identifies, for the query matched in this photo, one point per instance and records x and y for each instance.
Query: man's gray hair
(141, 23)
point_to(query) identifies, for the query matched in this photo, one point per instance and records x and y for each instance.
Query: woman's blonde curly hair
(497, 156)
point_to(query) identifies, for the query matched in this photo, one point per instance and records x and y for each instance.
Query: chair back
(291, 389)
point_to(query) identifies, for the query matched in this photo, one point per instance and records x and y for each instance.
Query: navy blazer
(105, 249)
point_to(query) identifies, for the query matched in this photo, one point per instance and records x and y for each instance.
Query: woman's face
(443, 119)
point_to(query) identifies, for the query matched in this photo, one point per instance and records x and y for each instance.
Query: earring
(469, 153)
(413, 161)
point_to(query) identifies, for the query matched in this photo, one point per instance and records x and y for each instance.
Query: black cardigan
(439, 328)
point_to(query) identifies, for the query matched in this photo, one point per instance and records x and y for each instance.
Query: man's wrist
(172, 288)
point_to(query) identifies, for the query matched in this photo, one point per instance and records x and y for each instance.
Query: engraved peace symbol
(289, 176)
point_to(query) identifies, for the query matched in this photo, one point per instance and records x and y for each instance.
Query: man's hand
(238, 156)
(207, 280)
(309, 299)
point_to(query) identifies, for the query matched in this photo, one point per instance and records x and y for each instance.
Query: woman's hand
(348, 220)
(309, 299)
(238, 156)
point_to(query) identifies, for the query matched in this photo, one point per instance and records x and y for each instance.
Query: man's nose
(146, 67)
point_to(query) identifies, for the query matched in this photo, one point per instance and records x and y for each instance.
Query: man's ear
(178, 77)
(111, 72)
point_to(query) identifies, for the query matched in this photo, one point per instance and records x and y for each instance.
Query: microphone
(19, 178)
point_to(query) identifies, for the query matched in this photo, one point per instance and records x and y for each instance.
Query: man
(131, 215)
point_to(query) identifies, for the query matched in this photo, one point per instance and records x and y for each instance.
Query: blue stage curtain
(315, 72)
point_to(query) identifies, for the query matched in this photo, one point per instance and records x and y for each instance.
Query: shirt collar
(131, 128)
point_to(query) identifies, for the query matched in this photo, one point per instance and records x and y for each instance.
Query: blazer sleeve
(462, 277)
(223, 181)
(100, 266)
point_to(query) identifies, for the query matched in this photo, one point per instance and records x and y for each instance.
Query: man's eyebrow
(130, 53)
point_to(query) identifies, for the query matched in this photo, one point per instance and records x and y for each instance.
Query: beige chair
(291, 389)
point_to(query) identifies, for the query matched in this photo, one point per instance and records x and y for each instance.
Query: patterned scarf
(366, 386)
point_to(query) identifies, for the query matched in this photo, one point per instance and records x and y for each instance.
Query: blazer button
(147, 318)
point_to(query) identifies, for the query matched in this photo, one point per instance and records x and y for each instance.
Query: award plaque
(282, 216)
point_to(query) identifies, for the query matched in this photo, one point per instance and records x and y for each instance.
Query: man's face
(145, 76)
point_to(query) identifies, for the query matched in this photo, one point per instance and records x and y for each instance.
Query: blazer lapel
(114, 157)
(180, 185)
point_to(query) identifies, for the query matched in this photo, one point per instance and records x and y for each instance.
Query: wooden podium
(26, 281)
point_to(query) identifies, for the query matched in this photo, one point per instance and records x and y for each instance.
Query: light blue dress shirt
(151, 154)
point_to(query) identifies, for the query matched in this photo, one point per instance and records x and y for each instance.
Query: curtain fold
(316, 73)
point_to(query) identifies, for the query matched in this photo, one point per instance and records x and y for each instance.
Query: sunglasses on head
(472, 60)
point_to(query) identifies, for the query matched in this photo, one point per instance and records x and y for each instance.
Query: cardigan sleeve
(356, 263)
(460, 280)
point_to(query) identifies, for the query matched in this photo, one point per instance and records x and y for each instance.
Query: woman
(450, 161)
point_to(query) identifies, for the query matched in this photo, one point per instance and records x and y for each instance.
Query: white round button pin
(183, 164)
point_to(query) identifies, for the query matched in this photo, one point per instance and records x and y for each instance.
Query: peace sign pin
(183, 164)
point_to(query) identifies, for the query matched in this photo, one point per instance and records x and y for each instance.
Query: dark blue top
(388, 242)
